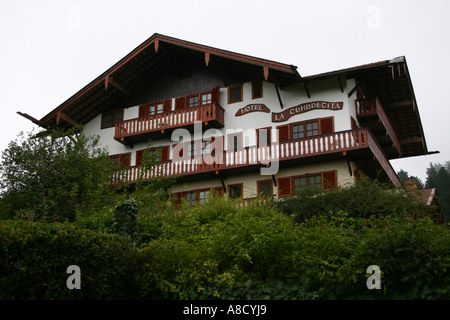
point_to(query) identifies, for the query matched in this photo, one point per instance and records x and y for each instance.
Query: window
(190, 198)
(235, 191)
(235, 94)
(264, 136)
(314, 181)
(192, 149)
(121, 159)
(323, 180)
(156, 109)
(235, 141)
(203, 196)
(257, 89)
(206, 98)
(305, 130)
(111, 118)
(206, 147)
(193, 101)
(265, 188)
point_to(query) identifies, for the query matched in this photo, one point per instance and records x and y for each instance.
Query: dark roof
(156, 53)
(389, 80)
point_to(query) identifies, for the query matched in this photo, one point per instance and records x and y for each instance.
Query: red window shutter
(164, 153)
(140, 157)
(218, 190)
(180, 103)
(329, 180)
(354, 124)
(167, 105)
(177, 198)
(284, 186)
(125, 159)
(143, 110)
(215, 95)
(326, 125)
(283, 133)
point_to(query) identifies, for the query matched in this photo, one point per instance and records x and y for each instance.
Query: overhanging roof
(390, 81)
(152, 56)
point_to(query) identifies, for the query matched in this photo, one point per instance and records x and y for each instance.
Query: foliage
(363, 199)
(125, 219)
(50, 176)
(438, 176)
(34, 258)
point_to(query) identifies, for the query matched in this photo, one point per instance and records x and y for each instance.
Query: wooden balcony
(150, 127)
(334, 145)
(371, 114)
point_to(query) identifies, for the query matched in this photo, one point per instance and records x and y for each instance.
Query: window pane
(151, 110)
(203, 196)
(192, 149)
(312, 129)
(265, 189)
(257, 89)
(108, 120)
(315, 182)
(299, 183)
(235, 94)
(235, 192)
(114, 160)
(193, 101)
(206, 147)
(297, 131)
(190, 198)
(160, 108)
(206, 98)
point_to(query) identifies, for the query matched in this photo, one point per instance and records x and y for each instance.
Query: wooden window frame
(258, 187)
(324, 185)
(254, 96)
(121, 157)
(320, 127)
(229, 93)
(307, 177)
(269, 131)
(103, 126)
(230, 138)
(235, 185)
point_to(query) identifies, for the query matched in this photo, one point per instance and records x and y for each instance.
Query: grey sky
(51, 49)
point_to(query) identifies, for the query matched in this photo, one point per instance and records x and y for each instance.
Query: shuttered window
(323, 180)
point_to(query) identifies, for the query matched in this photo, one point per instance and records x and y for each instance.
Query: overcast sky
(51, 49)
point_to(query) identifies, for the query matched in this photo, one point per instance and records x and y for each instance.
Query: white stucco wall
(320, 90)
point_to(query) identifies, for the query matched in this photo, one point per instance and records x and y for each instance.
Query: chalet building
(243, 125)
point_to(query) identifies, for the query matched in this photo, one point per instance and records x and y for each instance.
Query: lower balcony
(144, 128)
(356, 145)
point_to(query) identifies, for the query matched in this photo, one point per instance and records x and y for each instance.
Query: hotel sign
(304, 107)
(252, 108)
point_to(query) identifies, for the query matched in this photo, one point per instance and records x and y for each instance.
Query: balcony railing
(263, 155)
(173, 119)
(372, 107)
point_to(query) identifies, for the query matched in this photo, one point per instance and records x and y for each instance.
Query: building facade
(246, 126)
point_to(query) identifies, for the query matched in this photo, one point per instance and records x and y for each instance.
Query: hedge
(34, 258)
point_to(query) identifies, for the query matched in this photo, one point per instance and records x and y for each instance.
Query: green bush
(34, 258)
(363, 199)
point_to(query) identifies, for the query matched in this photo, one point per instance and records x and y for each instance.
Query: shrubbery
(226, 250)
(34, 258)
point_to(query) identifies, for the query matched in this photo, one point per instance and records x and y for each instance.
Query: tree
(403, 175)
(51, 176)
(438, 176)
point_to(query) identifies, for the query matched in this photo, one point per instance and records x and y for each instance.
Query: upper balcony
(162, 120)
(371, 114)
(358, 144)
